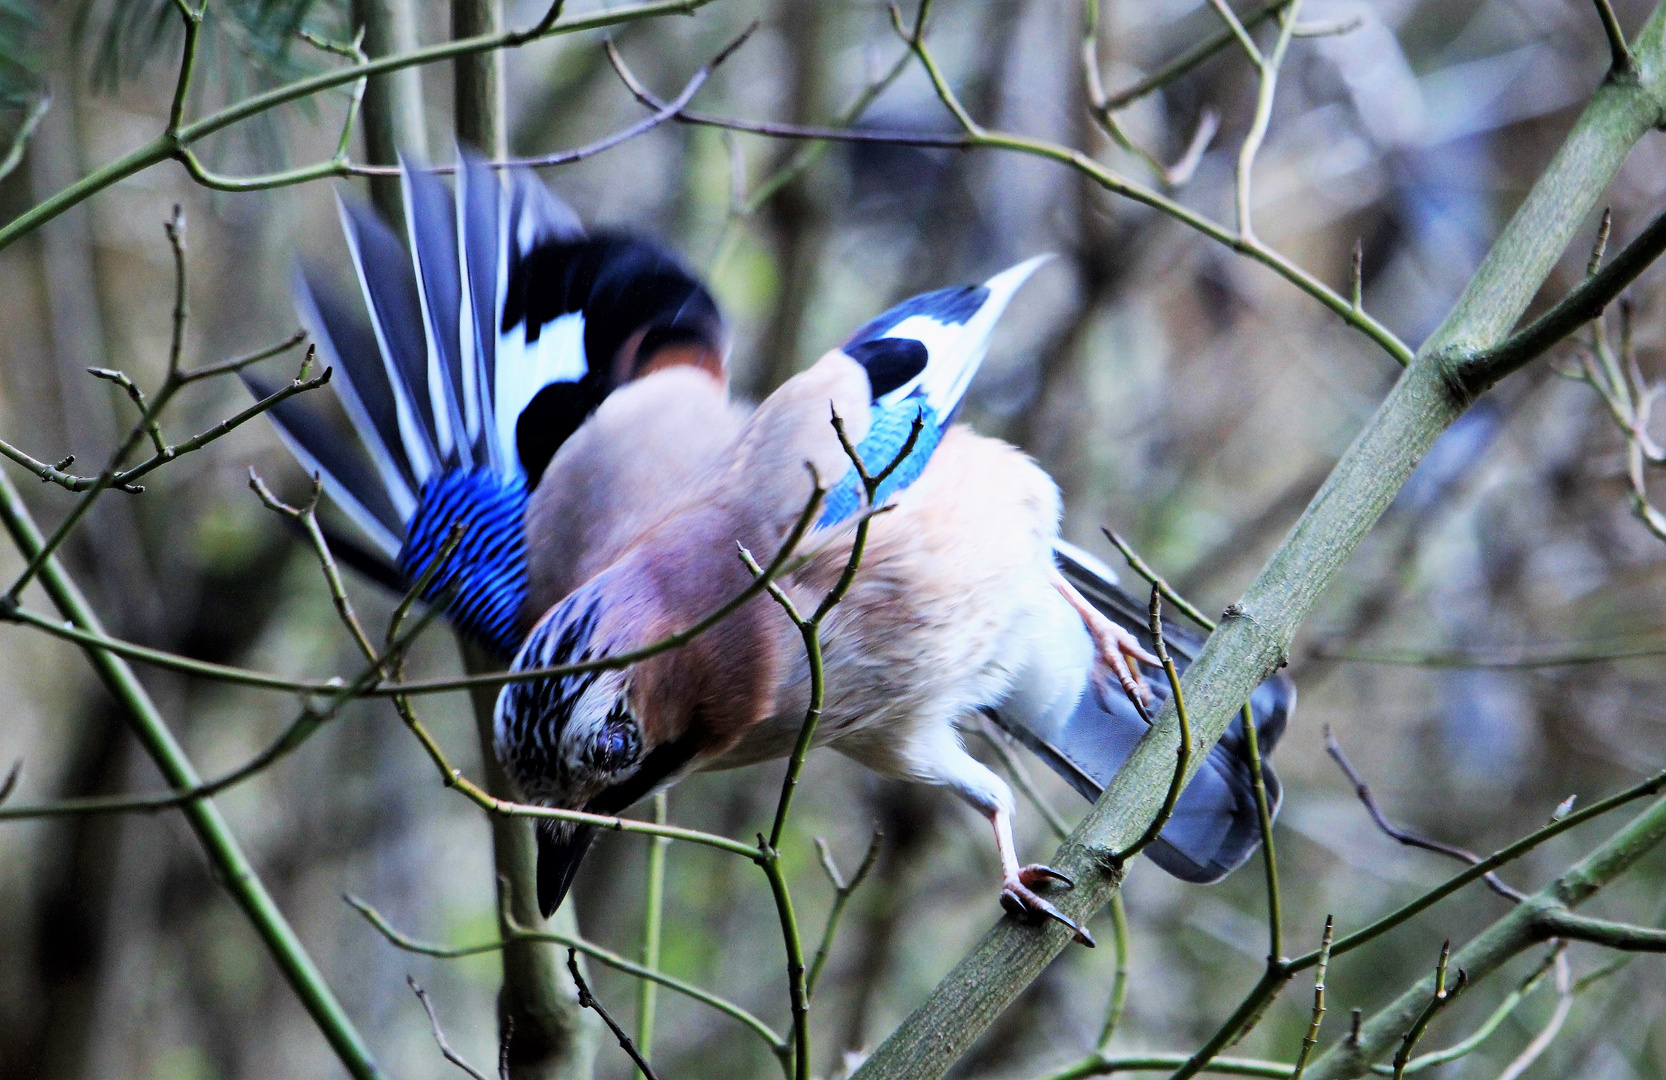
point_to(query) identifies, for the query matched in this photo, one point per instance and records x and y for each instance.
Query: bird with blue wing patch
(495, 330)
(966, 601)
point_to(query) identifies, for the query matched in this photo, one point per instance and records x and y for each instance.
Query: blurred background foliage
(1185, 397)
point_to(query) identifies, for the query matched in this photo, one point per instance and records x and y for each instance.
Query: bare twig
(10, 783)
(1183, 751)
(1564, 991)
(1480, 1035)
(20, 141)
(975, 136)
(238, 363)
(1441, 997)
(587, 1000)
(842, 891)
(1311, 1039)
(1104, 115)
(1194, 56)
(653, 910)
(595, 952)
(1410, 839)
(439, 1036)
(1620, 60)
(175, 141)
(1157, 582)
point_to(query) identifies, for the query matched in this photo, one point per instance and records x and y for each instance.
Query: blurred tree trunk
(549, 1036)
(392, 113)
(795, 214)
(73, 897)
(478, 80)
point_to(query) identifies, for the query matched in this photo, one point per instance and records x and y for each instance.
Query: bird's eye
(618, 743)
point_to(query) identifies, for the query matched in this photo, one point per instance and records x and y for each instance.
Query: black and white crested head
(567, 738)
(573, 741)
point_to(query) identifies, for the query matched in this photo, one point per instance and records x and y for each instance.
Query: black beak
(560, 850)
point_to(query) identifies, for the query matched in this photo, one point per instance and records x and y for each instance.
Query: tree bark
(1253, 641)
(392, 114)
(478, 86)
(549, 1036)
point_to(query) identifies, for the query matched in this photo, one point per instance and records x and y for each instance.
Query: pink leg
(1119, 651)
(1017, 893)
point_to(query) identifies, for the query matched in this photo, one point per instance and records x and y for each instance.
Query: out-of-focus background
(1178, 393)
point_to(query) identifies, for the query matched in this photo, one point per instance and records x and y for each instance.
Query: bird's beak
(560, 849)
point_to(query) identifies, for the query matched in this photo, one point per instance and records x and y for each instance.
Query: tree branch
(234, 870)
(1244, 650)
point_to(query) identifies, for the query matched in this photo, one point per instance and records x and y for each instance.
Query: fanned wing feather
(490, 340)
(348, 346)
(479, 195)
(348, 475)
(390, 293)
(430, 220)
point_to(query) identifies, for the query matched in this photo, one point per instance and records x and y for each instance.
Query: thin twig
(1564, 991)
(842, 891)
(1480, 1035)
(978, 137)
(1269, 854)
(1410, 839)
(174, 142)
(587, 1000)
(1437, 1001)
(653, 909)
(10, 783)
(1183, 752)
(1156, 581)
(20, 140)
(595, 952)
(1099, 107)
(1509, 853)
(306, 516)
(307, 722)
(1620, 61)
(439, 1036)
(1194, 56)
(1269, 65)
(1119, 977)
(1311, 1039)
(238, 363)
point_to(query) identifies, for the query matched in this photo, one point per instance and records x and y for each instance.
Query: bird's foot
(1022, 901)
(1120, 654)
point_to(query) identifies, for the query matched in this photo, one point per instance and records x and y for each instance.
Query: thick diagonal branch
(1254, 642)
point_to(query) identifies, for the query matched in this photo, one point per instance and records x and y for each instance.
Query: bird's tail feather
(1215, 826)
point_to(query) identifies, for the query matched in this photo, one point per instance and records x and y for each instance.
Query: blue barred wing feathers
(488, 333)
(920, 357)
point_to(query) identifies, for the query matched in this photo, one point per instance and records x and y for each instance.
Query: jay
(565, 397)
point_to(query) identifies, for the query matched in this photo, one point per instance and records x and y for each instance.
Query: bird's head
(578, 741)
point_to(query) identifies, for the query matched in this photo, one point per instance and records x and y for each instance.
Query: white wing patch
(523, 370)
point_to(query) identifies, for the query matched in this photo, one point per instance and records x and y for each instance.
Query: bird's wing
(919, 358)
(489, 340)
(1086, 736)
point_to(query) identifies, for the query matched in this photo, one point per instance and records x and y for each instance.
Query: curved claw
(1022, 902)
(1036, 873)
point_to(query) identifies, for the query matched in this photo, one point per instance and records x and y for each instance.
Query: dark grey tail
(1215, 826)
